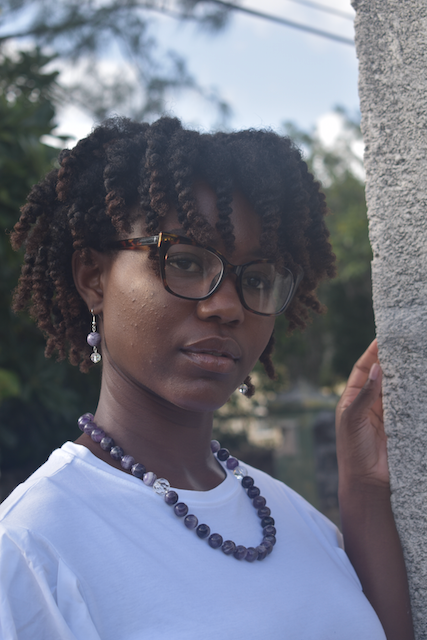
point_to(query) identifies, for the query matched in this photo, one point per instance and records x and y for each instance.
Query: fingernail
(375, 369)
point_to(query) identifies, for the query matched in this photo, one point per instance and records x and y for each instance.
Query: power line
(284, 21)
(323, 7)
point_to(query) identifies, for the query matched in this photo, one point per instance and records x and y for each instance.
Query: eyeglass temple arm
(136, 243)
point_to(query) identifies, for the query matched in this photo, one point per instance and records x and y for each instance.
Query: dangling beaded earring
(243, 389)
(94, 340)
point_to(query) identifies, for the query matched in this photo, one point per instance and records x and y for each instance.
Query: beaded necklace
(162, 487)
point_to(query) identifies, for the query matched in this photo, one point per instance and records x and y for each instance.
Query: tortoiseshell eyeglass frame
(165, 240)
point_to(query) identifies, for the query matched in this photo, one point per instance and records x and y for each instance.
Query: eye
(257, 280)
(185, 262)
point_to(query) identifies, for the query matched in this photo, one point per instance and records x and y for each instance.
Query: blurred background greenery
(41, 399)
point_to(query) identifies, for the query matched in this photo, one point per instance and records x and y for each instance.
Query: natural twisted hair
(125, 169)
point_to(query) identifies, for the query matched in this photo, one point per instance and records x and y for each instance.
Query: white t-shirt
(88, 552)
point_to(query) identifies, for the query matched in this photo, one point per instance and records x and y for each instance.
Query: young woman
(177, 250)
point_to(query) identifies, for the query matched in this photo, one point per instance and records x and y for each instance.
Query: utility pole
(391, 43)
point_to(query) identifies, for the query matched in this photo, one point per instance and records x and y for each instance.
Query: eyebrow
(255, 254)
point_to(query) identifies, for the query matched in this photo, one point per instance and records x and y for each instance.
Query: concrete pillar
(391, 42)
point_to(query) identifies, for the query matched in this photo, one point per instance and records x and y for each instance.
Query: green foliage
(87, 34)
(327, 350)
(39, 399)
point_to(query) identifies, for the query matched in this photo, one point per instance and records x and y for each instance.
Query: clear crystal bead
(161, 486)
(95, 357)
(240, 472)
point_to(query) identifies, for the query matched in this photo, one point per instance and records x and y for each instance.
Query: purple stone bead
(223, 454)
(215, 540)
(262, 552)
(266, 521)
(215, 446)
(94, 339)
(117, 453)
(127, 462)
(171, 498)
(251, 554)
(240, 552)
(191, 521)
(89, 427)
(269, 530)
(232, 463)
(253, 492)
(263, 512)
(107, 443)
(259, 502)
(97, 435)
(138, 470)
(84, 419)
(203, 531)
(271, 539)
(149, 478)
(247, 482)
(267, 544)
(181, 509)
(228, 547)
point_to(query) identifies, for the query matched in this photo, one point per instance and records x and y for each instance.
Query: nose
(224, 305)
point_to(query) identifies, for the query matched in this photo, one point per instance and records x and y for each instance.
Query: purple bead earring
(94, 340)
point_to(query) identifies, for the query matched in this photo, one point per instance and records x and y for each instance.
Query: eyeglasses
(193, 272)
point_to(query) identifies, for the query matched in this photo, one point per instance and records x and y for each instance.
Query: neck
(172, 442)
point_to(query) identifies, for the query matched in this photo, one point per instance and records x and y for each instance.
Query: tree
(38, 398)
(140, 76)
(327, 350)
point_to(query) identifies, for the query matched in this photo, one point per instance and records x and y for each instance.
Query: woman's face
(193, 354)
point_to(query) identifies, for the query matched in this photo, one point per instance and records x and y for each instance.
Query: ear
(88, 274)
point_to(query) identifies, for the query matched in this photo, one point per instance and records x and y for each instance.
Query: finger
(368, 394)
(363, 366)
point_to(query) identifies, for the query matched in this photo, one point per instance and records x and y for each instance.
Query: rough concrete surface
(391, 42)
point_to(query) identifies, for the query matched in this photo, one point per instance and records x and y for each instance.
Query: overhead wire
(325, 8)
(285, 21)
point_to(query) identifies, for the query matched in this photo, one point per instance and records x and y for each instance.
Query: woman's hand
(361, 440)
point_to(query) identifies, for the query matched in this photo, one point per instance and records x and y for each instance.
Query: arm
(370, 536)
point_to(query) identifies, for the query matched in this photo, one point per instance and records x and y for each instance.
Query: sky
(267, 72)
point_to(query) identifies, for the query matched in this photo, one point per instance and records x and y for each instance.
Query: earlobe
(87, 274)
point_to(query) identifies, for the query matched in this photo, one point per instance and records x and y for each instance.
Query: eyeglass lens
(193, 272)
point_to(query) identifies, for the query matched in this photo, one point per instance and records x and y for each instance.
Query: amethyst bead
(266, 521)
(180, 509)
(259, 502)
(267, 545)
(215, 540)
(117, 453)
(263, 512)
(271, 539)
(253, 492)
(215, 446)
(94, 339)
(84, 419)
(247, 482)
(240, 552)
(138, 470)
(171, 498)
(223, 454)
(232, 463)
(191, 521)
(97, 435)
(89, 427)
(262, 552)
(251, 554)
(107, 443)
(149, 478)
(269, 530)
(203, 531)
(228, 547)
(127, 462)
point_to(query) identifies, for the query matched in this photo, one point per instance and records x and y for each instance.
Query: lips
(218, 355)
